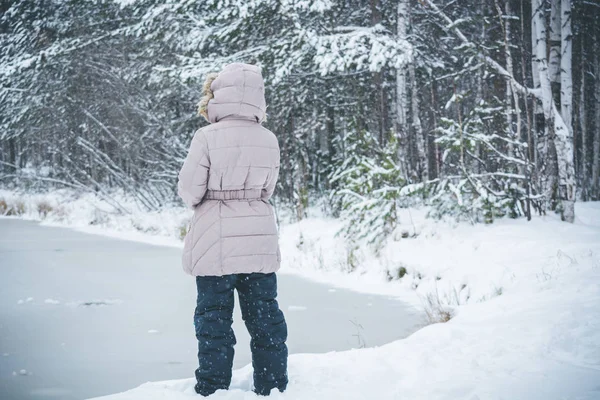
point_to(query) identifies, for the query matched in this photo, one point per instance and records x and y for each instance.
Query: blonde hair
(207, 95)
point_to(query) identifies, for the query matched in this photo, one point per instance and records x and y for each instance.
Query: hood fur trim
(207, 95)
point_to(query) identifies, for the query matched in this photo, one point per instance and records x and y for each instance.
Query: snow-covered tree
(369, 188)
(495, 100)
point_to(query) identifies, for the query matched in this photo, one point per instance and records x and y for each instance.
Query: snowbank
(453, 264)
(91, 214)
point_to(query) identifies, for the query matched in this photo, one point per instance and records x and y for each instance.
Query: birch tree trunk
(509, 67)
(538, 114)
(566, 69)
(555, 44)
(539, 54)
(401, 91)
(421, 159)
(562, 185)
(531, 171)
(535, 74)
(422, 162)
(566, 109)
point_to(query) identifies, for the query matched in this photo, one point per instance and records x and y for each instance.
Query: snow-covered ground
(524, 298)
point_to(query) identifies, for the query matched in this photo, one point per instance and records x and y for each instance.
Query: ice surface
(297, 308)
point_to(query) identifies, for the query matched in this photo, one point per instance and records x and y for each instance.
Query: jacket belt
(242, 194)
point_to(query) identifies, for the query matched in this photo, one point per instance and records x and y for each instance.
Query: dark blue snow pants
(265, 322)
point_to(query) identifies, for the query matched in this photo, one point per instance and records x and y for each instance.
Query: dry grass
(397, 274)
(18, 207)
(182, 230)
(352, 260)
(436, 311)
(44, 208)
(12, 208)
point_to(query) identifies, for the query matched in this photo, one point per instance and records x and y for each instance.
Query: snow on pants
(265, 322)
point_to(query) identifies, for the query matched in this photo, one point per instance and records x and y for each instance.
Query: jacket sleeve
(268, 190)
(193, 177)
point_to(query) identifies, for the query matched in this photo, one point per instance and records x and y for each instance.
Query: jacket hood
(238, 93)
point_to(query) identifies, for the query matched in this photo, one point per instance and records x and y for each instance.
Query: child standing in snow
(232, 244)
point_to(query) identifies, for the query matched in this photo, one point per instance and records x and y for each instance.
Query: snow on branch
(500, 70)
(359, 48)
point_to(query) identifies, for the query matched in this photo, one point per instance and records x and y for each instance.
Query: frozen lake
(85, 315)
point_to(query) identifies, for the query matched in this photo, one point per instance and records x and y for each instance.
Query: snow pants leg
(265, 322)
(212, 320)
(268, 331)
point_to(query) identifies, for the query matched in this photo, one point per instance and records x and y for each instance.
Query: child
(232, 243)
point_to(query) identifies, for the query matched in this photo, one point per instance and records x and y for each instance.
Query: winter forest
(434, 226)
(478, 108)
